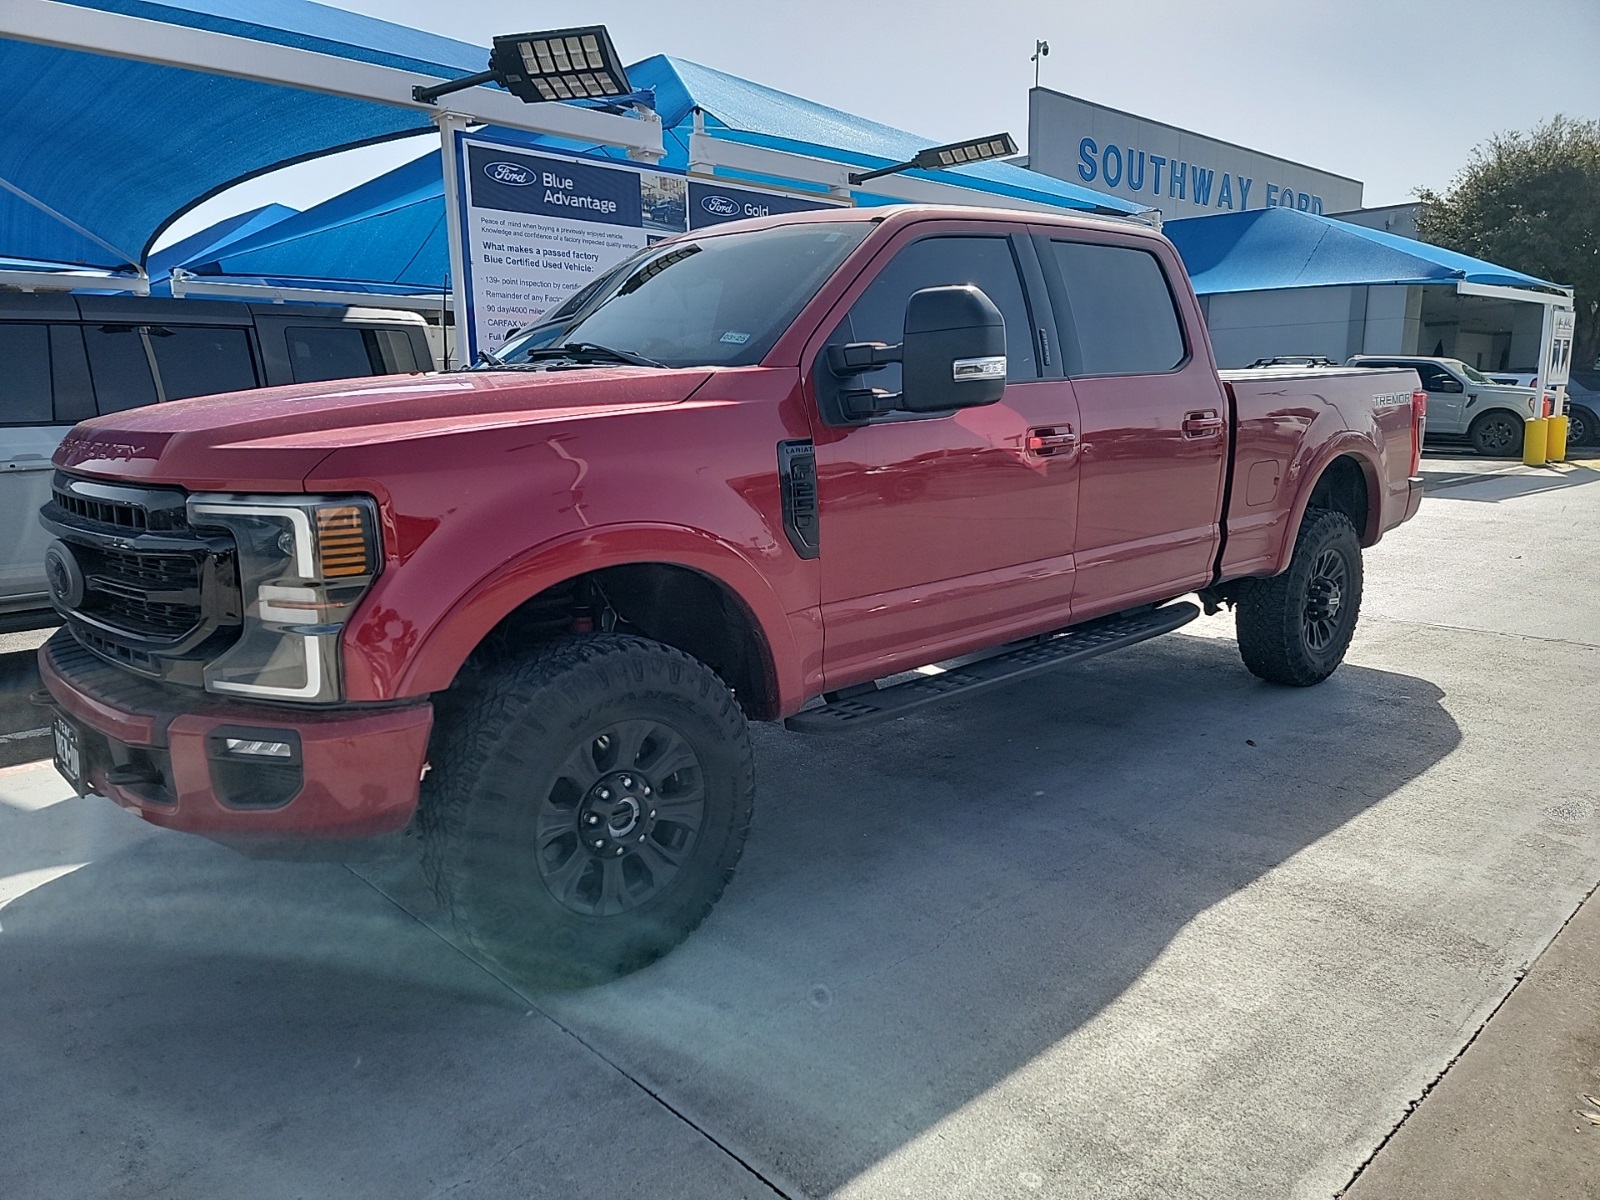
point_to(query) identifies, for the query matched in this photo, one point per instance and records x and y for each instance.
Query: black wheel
(1497, 434)
(586, 806)
(1295, 627)
(1581, 427)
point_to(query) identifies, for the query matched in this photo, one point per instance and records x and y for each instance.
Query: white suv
(1464, 402)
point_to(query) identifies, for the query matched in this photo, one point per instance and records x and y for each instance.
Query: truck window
(322, 352)
(25, 383)
(1436, 379)
(879, 314)
(120, 367)
(1121, 310)
(717, 300)
(201, 360)
(69, 375)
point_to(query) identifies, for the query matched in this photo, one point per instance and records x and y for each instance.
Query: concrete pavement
(1144, 927)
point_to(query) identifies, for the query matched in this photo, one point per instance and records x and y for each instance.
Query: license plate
(69, 752)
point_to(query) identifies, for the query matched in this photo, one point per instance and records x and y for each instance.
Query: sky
(1395, 93)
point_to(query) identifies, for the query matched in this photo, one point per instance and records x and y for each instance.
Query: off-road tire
(1497, 434)
(1275, 616)
(496, 774)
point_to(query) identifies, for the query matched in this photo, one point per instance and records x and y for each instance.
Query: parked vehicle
(1465, 403)
(1583, 415)
(70, 357)
(752, 472)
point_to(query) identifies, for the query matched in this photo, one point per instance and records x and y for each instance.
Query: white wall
(1329, 321)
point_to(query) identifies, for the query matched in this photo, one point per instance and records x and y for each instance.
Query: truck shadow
(923, 909)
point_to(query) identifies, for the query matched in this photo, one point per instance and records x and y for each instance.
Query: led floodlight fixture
(552, 64)
(956, 154)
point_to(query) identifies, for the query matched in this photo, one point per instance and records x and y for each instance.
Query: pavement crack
(1500, 633)
(1521, 974)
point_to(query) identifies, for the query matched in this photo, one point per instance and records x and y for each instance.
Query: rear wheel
(587, 806)
(1294, 628)
(1580, 426)
(1497, 434)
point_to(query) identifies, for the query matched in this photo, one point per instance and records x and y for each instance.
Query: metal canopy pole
(449, 124)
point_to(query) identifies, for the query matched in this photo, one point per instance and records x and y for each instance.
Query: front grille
(103, 512)
(159, 598)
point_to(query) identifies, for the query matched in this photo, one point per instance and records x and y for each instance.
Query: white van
(65, 357)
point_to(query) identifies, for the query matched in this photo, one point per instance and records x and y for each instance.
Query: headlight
(304, 563)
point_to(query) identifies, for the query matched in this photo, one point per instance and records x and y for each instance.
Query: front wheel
(1294, 628)
(586, 806)
(1497, 434)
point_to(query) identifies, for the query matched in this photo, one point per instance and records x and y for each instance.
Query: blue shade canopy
(390, 232)
(213, 238)
(1269, 248)
(387, 231)
(118, 149)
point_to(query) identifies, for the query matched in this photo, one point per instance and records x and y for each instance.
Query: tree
(1531, 201)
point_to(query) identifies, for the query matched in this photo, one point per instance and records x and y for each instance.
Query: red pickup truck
(781, 470)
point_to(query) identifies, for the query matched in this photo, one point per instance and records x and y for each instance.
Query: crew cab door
(944, 532)
(1153, 419)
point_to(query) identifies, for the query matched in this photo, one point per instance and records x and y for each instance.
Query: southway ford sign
(1184, 174)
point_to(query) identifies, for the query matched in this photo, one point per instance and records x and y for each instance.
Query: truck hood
(272, 439)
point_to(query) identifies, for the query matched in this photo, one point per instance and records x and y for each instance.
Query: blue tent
(103, 153)
(391, 232)
(211, 240)
(1269, 248)
(113, 150)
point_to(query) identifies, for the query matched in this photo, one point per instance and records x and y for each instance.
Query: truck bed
(1289, 423)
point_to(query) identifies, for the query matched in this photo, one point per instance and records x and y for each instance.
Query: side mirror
(1449, 384)
(954, 353)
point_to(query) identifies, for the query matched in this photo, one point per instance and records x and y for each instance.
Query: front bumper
(151, 749)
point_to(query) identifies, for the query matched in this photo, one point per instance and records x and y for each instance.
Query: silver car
(1464, 402)
(64, 358)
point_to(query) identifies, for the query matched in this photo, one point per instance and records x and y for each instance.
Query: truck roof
(902, 214)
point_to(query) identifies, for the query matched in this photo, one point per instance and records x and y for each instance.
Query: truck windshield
(1471, 374)
(710, 301)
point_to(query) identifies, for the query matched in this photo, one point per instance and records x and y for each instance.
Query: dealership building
(1284, 257)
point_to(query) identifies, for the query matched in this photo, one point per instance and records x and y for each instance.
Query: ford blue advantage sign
(713, 204)
(553, 187)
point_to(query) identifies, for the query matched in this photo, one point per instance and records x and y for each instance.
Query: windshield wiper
(489, 359)
(590, 352)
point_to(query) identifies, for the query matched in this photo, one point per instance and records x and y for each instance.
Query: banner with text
(536, 227)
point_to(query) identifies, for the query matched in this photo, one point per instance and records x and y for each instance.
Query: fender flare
(446, 646)
(1347, 445)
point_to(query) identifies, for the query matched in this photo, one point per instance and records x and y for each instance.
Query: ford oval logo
(508, 173)
(719, 206)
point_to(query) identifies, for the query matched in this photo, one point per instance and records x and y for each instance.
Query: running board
(867, 707)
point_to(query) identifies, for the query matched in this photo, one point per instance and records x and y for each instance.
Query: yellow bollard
(1534, 440)
(1555, 439)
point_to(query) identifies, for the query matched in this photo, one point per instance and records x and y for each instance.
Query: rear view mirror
(954, 353)
(953, 356)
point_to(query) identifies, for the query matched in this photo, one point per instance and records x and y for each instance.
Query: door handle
(1051, 440)
(1202, 423)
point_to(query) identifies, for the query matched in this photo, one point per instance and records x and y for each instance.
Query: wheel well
(1343, 487)
(671, 604)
